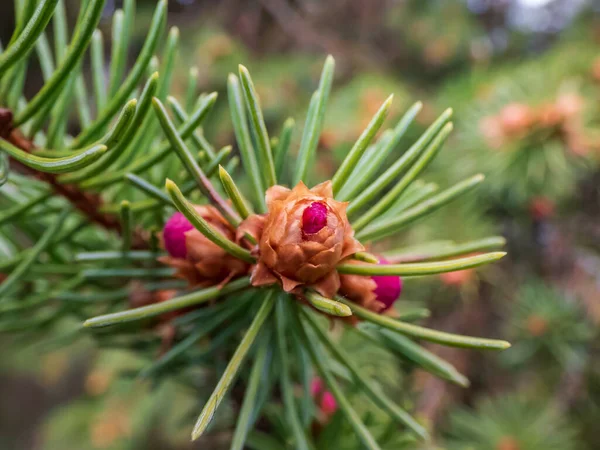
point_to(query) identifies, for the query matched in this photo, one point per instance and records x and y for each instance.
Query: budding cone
(196, 258)
(301, 239)
(377, 293)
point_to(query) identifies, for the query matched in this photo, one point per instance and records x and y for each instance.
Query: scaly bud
(302, 238)
(197, 259)
(377, 293)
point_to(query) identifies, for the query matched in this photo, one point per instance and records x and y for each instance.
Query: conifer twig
(89, 204)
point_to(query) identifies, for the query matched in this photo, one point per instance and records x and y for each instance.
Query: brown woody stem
(89, 204)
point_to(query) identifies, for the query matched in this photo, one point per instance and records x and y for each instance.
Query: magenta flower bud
(328, 403)
(388, 289)
(325, 399)
(377, 293)
(174, 235)
(314, 218)
(316, 386)
(196, 258)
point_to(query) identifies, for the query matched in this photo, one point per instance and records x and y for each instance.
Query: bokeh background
(523, 77)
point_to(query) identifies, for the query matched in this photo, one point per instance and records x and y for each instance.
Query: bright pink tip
(328, 403)
(325, 399)
(316, 386)
(314, 218)
(174, 235)
(389, 287)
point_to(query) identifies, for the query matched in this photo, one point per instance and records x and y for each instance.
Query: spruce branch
(87, 203)
(299, 242)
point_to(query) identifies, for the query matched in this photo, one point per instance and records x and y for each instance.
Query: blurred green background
(523, 77)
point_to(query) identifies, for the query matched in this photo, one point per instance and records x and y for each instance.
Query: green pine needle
(115, 140)
(326, 305)
(33, 254)
(318, 360)
(78, 160)
(28, 36)
(188, 210)
(282, 312)
(420, 269)
(244, 140)
(132, 80)
(243, 425)
(445, 250)
(314, 122)
(421, 145)
(349, 163)
(233, 366)
(382, 228)
(149, 189)
(283, 147)
(260, 130)
(126, 225)
(418, 355)
(191, 165)
(240, 204)
(374, 157)
(366, 385)
(388, 199)
(174, 304)
(439, 337)
(81, 40)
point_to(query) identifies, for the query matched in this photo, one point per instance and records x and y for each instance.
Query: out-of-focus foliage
(549, 328)
(511, 422)
(531, 126)
(525, 95)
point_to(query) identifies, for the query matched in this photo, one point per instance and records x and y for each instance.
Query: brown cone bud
(516, 118)
(204, 263)
(377, 293)
(302, 238)
(361, 290)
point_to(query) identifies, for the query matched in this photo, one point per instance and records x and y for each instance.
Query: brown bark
(89, 204)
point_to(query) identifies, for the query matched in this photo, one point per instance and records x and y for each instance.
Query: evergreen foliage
(83, 206)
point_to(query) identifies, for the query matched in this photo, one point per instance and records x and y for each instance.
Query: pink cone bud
(325, 399)
(328, 403)
(314, 218)
(174, 235)
(316, 386)
(389, 287)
